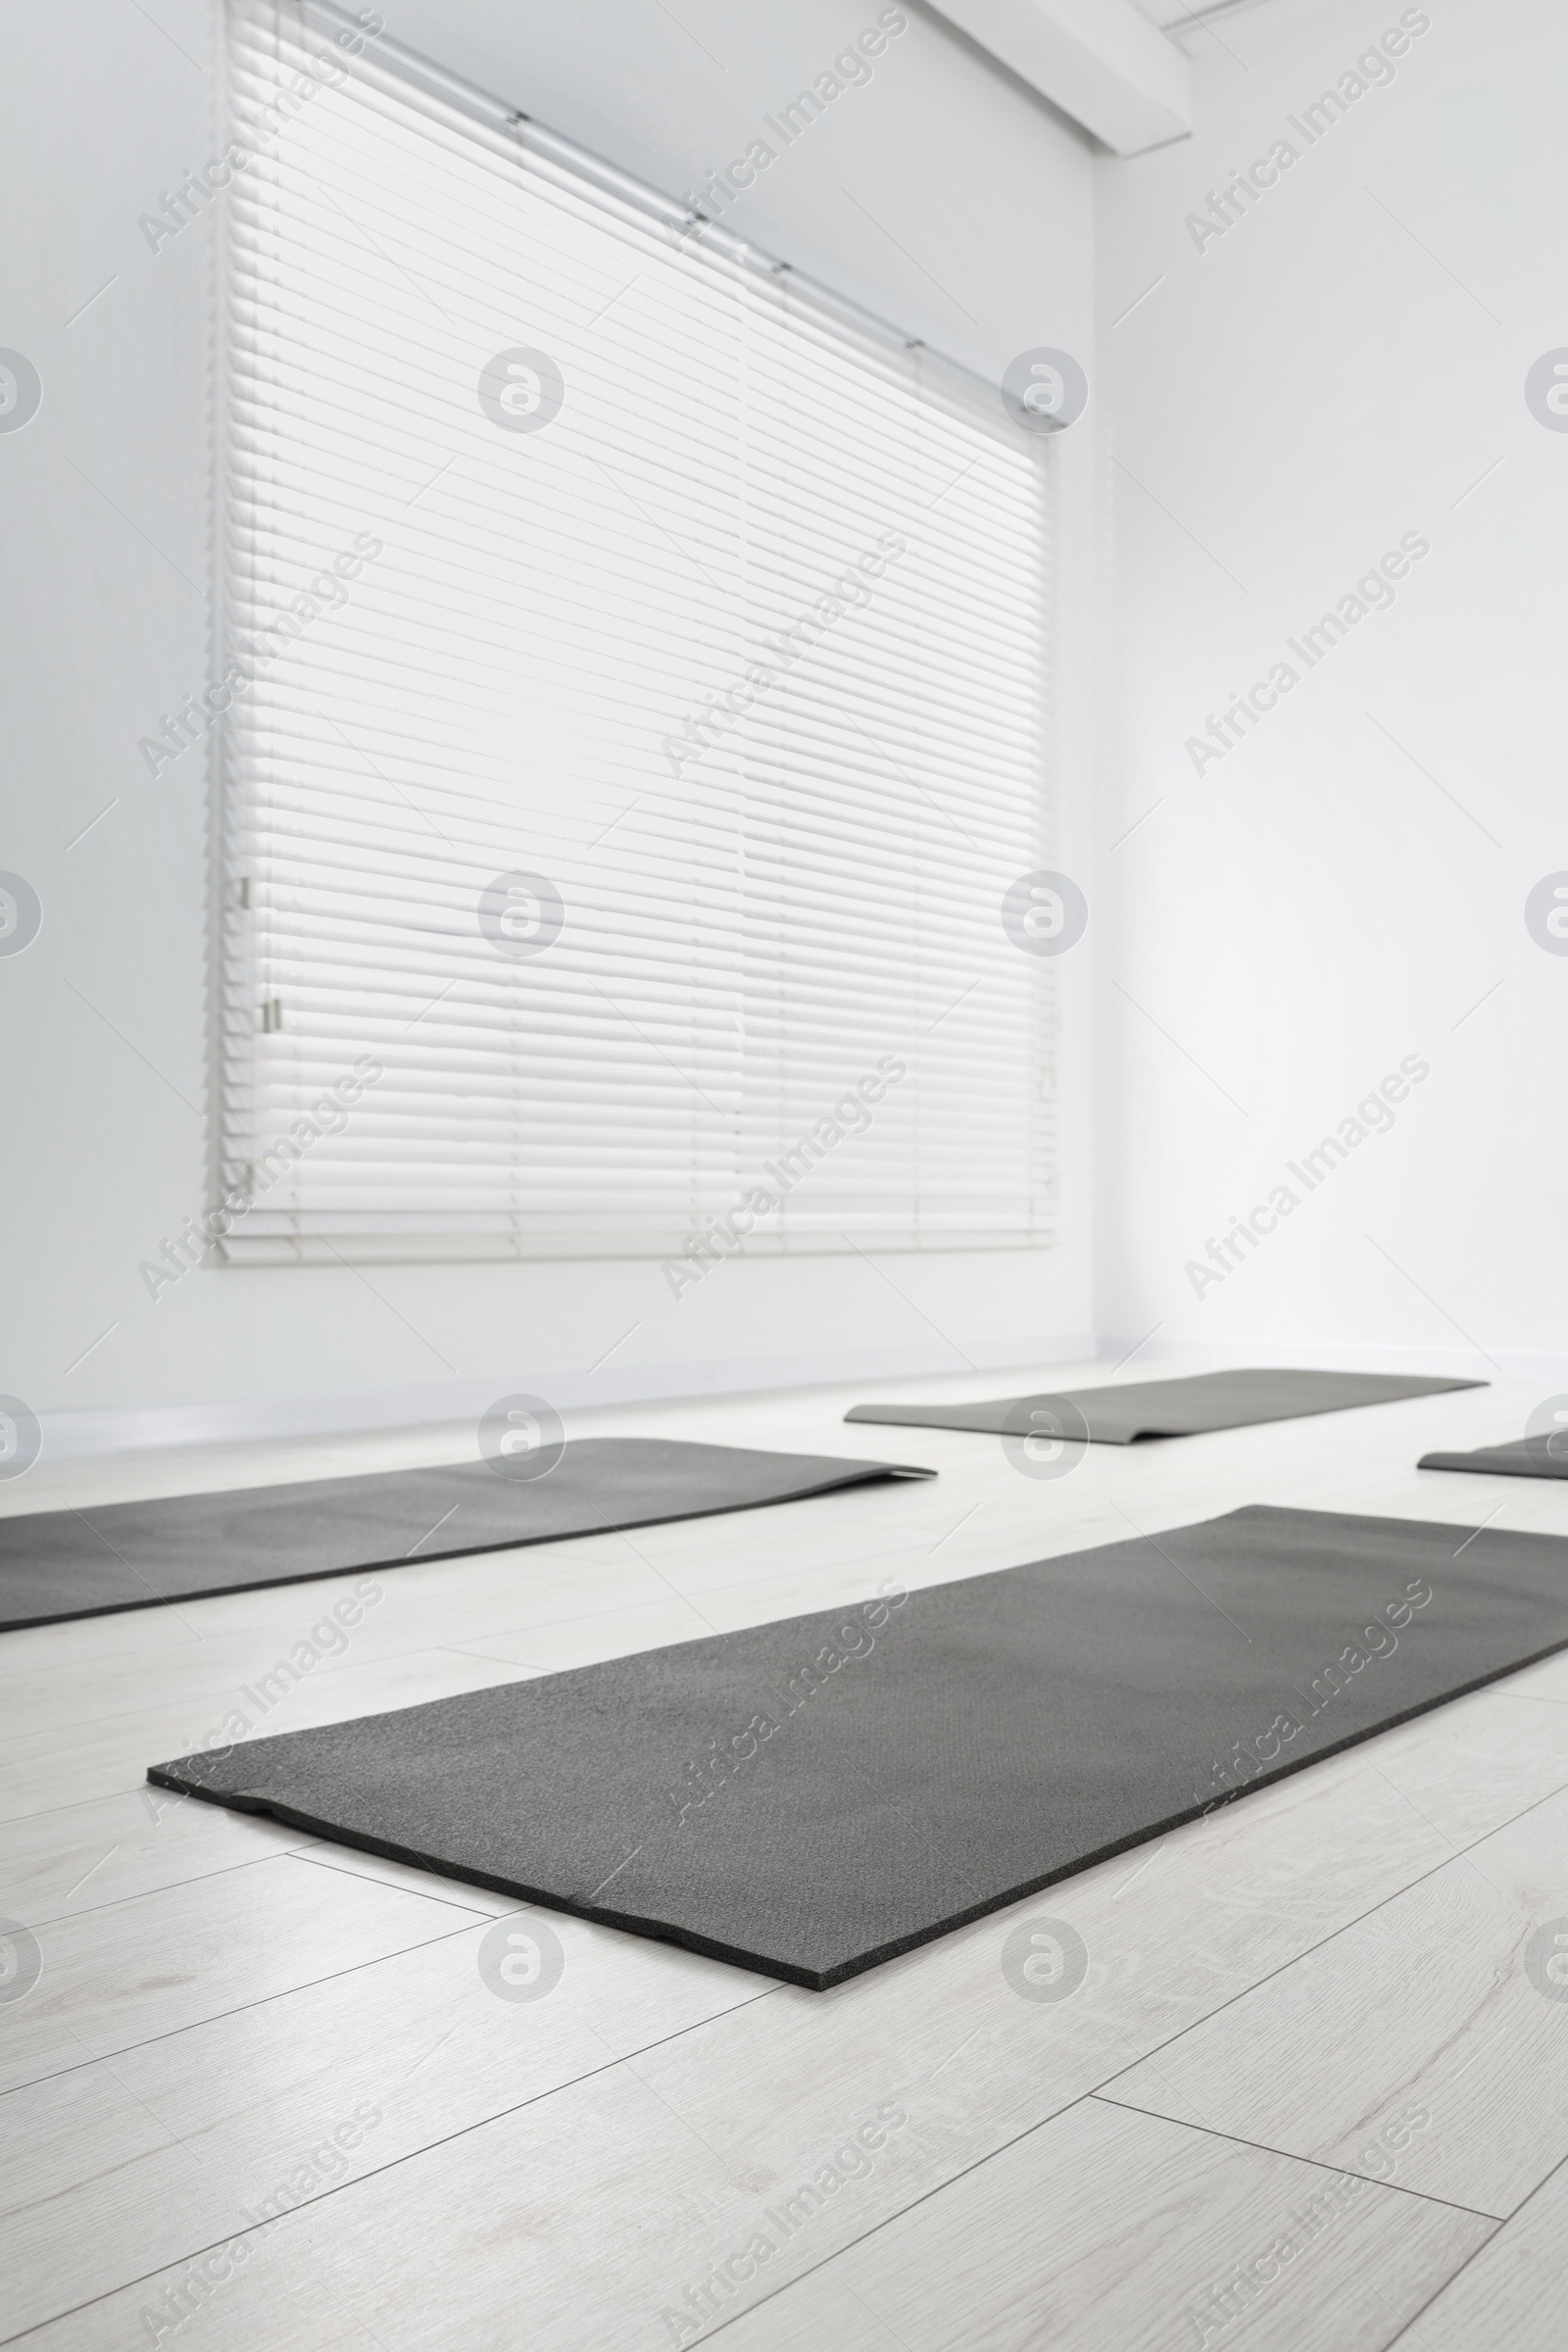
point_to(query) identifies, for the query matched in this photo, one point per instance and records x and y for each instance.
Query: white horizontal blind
(504, 668)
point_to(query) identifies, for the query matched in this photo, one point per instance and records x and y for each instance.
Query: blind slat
(518, 674)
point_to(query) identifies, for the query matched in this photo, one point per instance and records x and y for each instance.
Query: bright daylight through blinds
(640, 710)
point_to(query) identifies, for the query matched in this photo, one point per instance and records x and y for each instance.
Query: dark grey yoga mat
(1166, 1408)
(812, 1797)
(1520, 1457)
(132, 1556)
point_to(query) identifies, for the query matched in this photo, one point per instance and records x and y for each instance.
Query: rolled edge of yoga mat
(1189, 1404)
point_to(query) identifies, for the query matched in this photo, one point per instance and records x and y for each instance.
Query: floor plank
(1441, 2013)
(767, 2090)
(1510, 2297)
(41, 1772)
(160, 1962)
(123, 2166)
(81, 1857)
(221, 1997)
(1109, 2229)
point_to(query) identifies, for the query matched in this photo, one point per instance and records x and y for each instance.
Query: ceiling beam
(1100, 60)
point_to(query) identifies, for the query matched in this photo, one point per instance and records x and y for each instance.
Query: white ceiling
(1131, 88)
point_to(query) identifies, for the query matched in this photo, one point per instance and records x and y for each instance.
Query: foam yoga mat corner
(1191, 1406)
(132, 1555)
(1520, 1457)
(813, 1798)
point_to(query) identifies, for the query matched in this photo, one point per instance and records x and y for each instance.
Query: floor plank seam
(95, 1723)
(874, 2229)
(1095, 2089)
(74, 1804)
(1409, 2328)
(368, 1877)
(321, 1680)
(1395, 1895)
(955, 1488)
(393, 2164)
(419, 1650)
(544, 1625)
(197, 2025)
(1095, 2093)
(220, 1870)
(1320, 2164)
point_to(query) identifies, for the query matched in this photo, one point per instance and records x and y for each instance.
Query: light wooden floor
(1307, 2094)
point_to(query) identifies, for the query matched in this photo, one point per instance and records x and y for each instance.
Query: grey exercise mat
(1520, 1457)
(1168, 1408)
(814, 1796)
(132, 1556)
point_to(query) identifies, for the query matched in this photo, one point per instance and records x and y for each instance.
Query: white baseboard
(76, 1436)
(1548, 1372)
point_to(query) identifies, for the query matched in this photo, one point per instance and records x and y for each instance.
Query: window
(640, 704)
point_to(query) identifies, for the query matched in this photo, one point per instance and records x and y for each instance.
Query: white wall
(104, 511)
(1341, 366)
